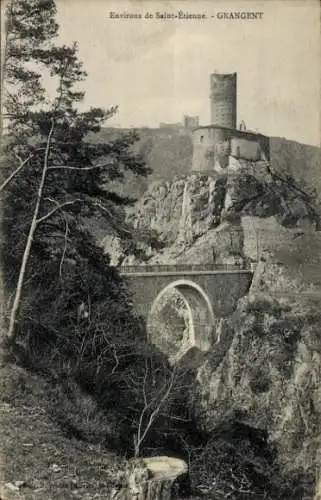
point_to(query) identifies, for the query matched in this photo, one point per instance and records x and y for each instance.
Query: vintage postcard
(160, 193)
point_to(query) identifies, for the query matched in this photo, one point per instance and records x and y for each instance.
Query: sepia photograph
(160, 196)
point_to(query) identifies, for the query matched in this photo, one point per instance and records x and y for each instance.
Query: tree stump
(151, 478)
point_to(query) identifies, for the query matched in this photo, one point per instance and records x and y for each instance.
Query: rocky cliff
(265, 371)
(267, 374)
(205, 219)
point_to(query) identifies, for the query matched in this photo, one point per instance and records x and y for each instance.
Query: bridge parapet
(179, 268)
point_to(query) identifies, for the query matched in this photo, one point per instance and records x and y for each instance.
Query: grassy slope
(35, 452)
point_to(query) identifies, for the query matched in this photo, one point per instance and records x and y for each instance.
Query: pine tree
(53, 176)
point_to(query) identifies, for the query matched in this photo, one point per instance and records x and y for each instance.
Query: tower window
(201, 138)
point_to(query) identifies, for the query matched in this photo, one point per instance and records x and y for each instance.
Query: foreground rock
(151, 479)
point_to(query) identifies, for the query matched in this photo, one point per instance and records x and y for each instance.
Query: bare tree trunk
(143, 427)
(32, 230)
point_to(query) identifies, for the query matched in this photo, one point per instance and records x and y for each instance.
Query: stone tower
(223, 99)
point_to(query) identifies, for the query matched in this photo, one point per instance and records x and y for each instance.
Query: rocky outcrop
(160, 208)
(200, 218)
(168, 326)
(151, 479)
(125, 252)
(222, 245)
(268, 377)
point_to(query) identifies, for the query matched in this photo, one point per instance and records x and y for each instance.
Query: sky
(158, 70)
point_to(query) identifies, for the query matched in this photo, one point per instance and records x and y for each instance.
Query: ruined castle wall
(245, 149)
(249, 145)
(213, 145)
(208, 143)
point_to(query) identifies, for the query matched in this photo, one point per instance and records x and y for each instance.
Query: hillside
(302, 161)
(168, 152)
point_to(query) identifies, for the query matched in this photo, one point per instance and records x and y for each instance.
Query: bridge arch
(200, 315)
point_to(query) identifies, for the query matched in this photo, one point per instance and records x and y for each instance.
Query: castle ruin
(215, 146)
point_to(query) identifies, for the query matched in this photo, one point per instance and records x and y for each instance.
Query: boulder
(151, 479)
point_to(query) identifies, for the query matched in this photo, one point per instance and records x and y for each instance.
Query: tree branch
(142, 433)
(66, 167)
(104, 209)
(16, 171)
(58, 207)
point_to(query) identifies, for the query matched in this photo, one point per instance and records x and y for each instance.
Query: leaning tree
(52, 175)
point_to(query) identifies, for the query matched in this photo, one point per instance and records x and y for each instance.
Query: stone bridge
(209, 292)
